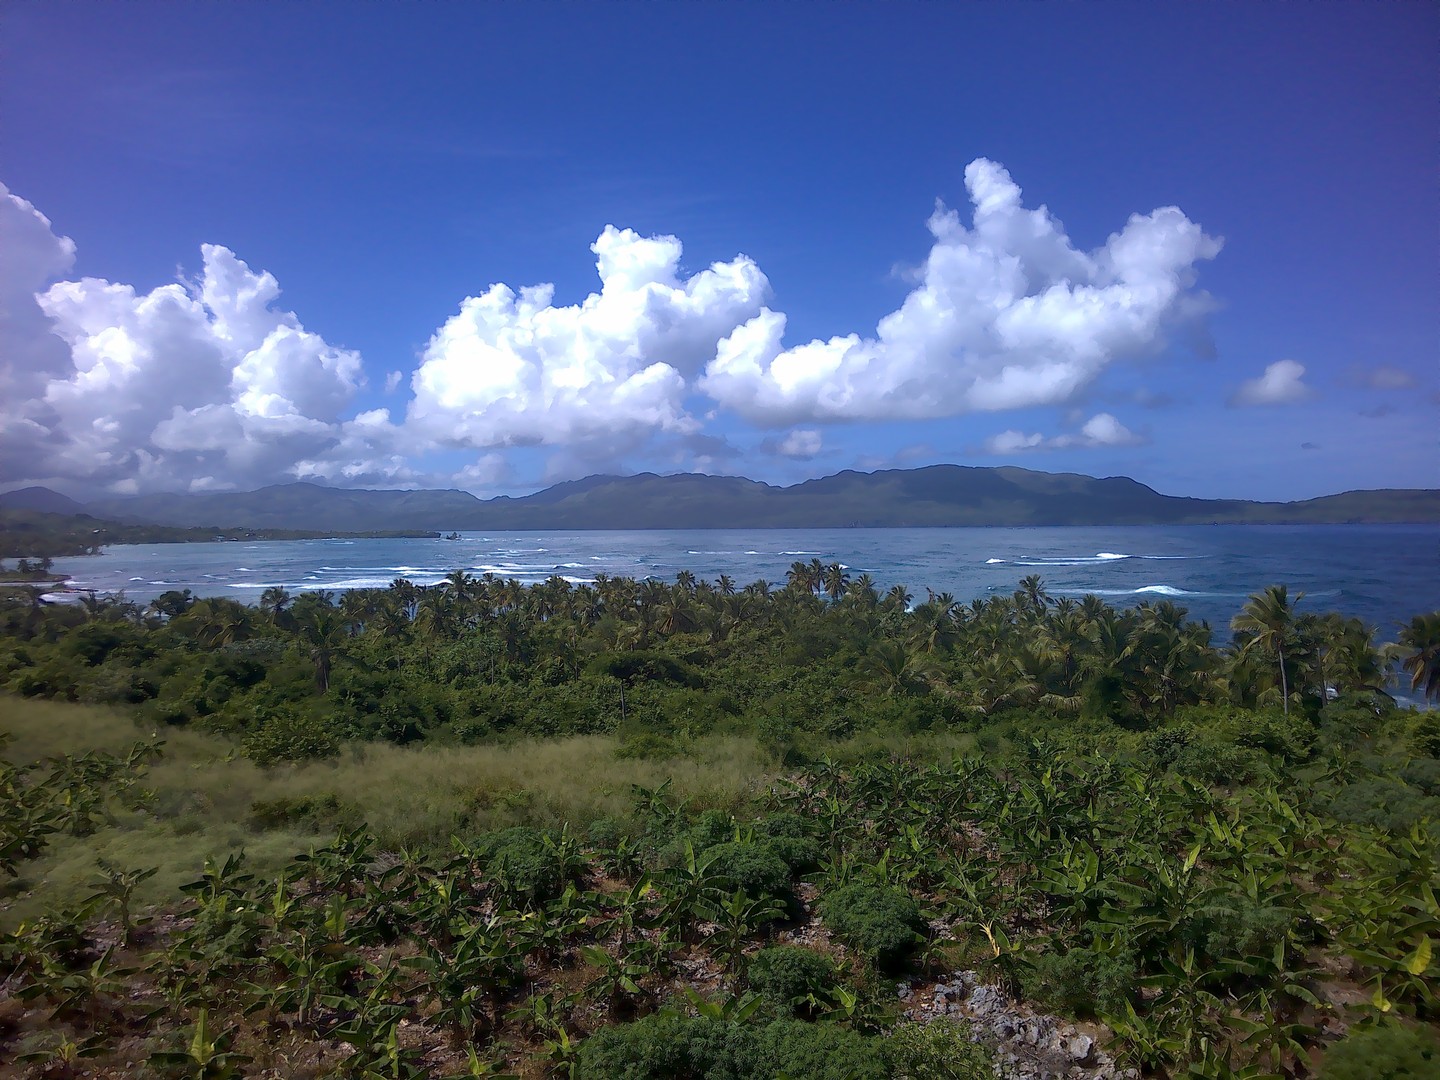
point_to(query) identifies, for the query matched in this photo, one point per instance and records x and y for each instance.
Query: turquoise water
(1384, 574)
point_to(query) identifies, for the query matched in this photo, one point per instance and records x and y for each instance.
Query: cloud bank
(211, 384)
(1008, 314)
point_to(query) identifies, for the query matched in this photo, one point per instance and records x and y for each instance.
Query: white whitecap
(991, 562)
(1110, 555)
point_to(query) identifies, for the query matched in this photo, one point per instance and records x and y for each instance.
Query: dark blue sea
(1384, 574)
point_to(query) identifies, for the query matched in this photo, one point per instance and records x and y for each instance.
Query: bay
(1383, 574)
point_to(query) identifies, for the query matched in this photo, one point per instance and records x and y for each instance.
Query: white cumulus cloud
(1008, 313)
(1281, 384)
(514, 369)
(201, 385)
(801, 445)
(1102, 429)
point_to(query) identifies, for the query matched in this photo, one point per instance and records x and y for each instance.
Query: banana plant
(734, 1009)
(617, 981)
(62, 1058)
(117, 887)
(208, 1057)
(736, 917)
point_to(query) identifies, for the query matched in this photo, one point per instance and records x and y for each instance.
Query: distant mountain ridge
(937, 495)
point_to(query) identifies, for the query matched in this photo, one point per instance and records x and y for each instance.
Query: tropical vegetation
(698, 829)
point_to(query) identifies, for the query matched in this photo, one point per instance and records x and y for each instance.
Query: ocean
(1384, 574)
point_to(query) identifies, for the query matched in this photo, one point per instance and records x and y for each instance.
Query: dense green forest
(643, 829)
(36, 534)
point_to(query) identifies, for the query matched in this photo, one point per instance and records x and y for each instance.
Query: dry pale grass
(200, 799)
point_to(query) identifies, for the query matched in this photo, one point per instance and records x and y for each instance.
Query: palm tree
(836, 581)
(1420, 643)
(326, 633)
(896, 668)
(273, 602)
(897, 599)
(1268, 622)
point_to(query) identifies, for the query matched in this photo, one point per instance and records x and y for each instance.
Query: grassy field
(202, 799)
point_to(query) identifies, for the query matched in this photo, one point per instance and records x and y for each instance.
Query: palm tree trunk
(1284, 685)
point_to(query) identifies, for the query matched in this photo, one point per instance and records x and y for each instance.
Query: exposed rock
(1027, 1045)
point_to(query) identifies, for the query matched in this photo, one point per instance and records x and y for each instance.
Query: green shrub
(938, 1050)
(1081, 982)
(1220, 763)
(787, 974)
(1389, 1052)
(647, 745)
(1383, 801)
(661, 1047)
(1237, 927)
(1423, 738)
(307, 811)
(750, 868)
(789, 837)
(882, 923)
(524, 864)
(290, 735)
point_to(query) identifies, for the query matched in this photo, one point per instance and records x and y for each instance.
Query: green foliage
(288, 734)
(1386, 1052)
(788, 974)
(1081, 982)
(751, 868)
(529, 865)
(661, 1047)
(881, 922)
(940, 1049)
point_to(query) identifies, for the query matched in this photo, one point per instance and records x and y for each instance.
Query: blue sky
(248, 243)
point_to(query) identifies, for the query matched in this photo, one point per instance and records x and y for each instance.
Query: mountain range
(938, 495)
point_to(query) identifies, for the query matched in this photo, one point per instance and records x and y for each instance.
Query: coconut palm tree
(1420, 653)
(1267, 622)
(273, 602)
(836, 581)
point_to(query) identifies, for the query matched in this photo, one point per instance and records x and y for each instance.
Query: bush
(661, 1047)
(1081, 982)
(787, 974)
(290, 735)
(752, 869)
(938, 1050)
(788, 836)
(1238, 927)
(882, 923)
(306, 811)
(1390, 1052)
(524, 864)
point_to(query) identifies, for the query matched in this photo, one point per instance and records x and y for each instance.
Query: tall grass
(201, 799)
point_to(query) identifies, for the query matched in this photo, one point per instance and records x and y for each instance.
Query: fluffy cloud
(209, 384)
(1008, 313)
(33, 256)
(1102, 429)
(801, 445)
(198, 385)
(513, 369)
(1281, 384)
